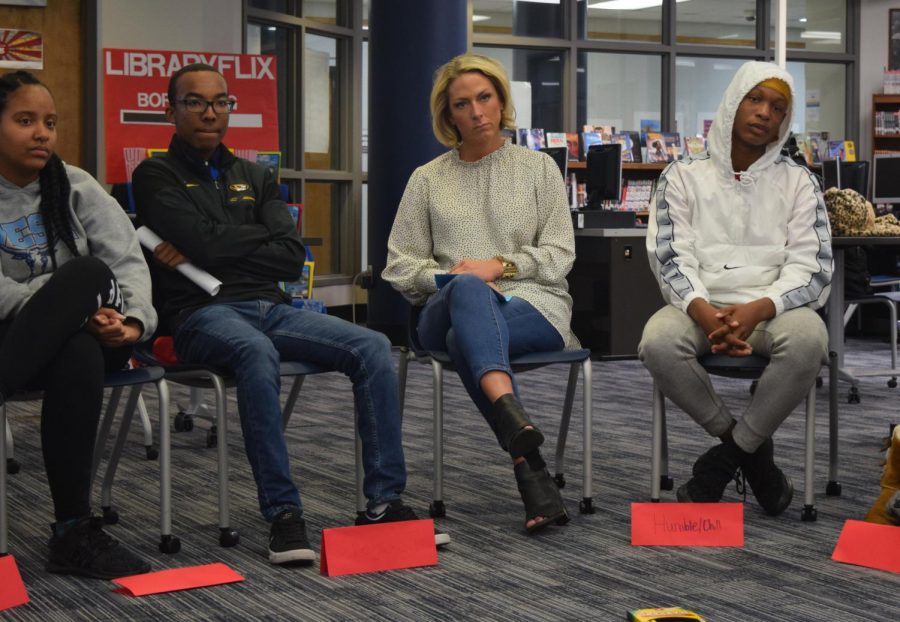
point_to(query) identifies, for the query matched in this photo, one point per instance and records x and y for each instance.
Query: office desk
(836, 304)
(835, 325)
(613, 290)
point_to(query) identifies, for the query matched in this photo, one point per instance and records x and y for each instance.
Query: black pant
(45, 347)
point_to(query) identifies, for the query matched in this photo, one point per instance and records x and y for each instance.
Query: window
(536, 81)
(621, 90)
(315, 87)
(713, 22)
(701, 84)
(820, 25)
(605, 21)
(524, 18)
(820, 90)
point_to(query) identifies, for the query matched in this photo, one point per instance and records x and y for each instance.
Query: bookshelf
(885, 122)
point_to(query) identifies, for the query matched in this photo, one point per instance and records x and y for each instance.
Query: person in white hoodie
(74, 297)
(740, 244)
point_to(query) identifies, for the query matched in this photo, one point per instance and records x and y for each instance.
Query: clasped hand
(108, 326)
(488, 270)
(728, 327)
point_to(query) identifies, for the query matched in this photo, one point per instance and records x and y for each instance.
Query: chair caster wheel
(853, 396)
(892, 383)
(110, 515)
(184, 422)
(560, 480)
(809, 514)
(212, 438)
(12, 466)
(228, 536)
(169, 545)
(437, 509)
(833, 489)
(666, 482)
(586, 506)
(151, 452)
(753, 386)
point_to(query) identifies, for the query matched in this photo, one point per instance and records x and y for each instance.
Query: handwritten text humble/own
(686, 524)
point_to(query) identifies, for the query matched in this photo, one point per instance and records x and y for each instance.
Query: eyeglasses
(199, 106)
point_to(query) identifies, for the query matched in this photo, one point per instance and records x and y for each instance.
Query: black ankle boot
(712, 472)
(512, 427)
(771, 487)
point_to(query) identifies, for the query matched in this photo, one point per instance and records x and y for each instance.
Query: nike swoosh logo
(727, 267)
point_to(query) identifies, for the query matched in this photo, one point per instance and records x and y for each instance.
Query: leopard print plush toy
(886, 509)
(851, 215)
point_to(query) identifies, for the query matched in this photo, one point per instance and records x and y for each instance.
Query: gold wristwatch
(509, 268)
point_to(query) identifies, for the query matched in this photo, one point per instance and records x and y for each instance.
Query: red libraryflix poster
(134, 87)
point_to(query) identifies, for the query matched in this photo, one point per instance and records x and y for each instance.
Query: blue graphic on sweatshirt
(25, 239)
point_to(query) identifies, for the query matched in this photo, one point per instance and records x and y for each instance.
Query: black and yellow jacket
(226, 216)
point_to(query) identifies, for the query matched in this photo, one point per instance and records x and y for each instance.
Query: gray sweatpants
(796, 343)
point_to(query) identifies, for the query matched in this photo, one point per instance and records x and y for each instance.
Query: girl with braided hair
(74, 297)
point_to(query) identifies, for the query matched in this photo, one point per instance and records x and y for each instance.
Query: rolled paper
(198, 276)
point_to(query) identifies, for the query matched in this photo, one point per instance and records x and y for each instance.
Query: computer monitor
(853, 175)
(886, 178)
(603, 180)
(560, 155)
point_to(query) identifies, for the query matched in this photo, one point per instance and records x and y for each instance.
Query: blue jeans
(481, 331)
(250, 339)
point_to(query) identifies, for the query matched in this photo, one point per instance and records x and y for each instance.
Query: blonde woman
(493, 218)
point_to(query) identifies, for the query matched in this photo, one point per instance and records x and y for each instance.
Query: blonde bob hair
(443, 128)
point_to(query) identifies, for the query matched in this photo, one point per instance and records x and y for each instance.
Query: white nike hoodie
(730, 237)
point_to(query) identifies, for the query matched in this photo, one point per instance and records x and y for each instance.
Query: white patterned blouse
(512, 203)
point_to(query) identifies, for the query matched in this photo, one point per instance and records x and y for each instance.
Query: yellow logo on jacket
(239, 187)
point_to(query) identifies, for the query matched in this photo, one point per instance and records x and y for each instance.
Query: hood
(747, 76)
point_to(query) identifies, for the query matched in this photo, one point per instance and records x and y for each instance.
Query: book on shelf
(656, 147)
(887, 121)
(673, 146)
(636, 194)
(605, 131)
(531, 137)
(588, 139)
(849, 151)
(555, 139)
(624, 139)
(572, 144)
(835, 150)
(694, 146)
(815, 148)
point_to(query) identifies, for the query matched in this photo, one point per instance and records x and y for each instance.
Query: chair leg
(833, 488)
(110, 516)
(149, 450)
(104, 428)
(357, 450)
(291, 401)
(227, 535)
(559, 463)
(168, 543)
(587, 501)
(437, 509)
(809, 502)
(10, 464)
(659, 446)
(4, 430)
(402, 369)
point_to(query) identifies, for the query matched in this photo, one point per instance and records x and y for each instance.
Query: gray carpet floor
(586, 570)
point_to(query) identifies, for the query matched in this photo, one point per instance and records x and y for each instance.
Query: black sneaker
(771, 487)
(288, 543)
(396, 511)
(88, 551)
(712, 473)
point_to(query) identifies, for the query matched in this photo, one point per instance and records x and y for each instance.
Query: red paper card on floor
(12, 590)
(687, 524)
(869, 545)
(371, 548)
(178, 579)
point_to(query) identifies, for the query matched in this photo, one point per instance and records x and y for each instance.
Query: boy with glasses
(224, 214)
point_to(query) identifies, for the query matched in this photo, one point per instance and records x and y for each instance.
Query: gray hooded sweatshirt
(101, 229)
